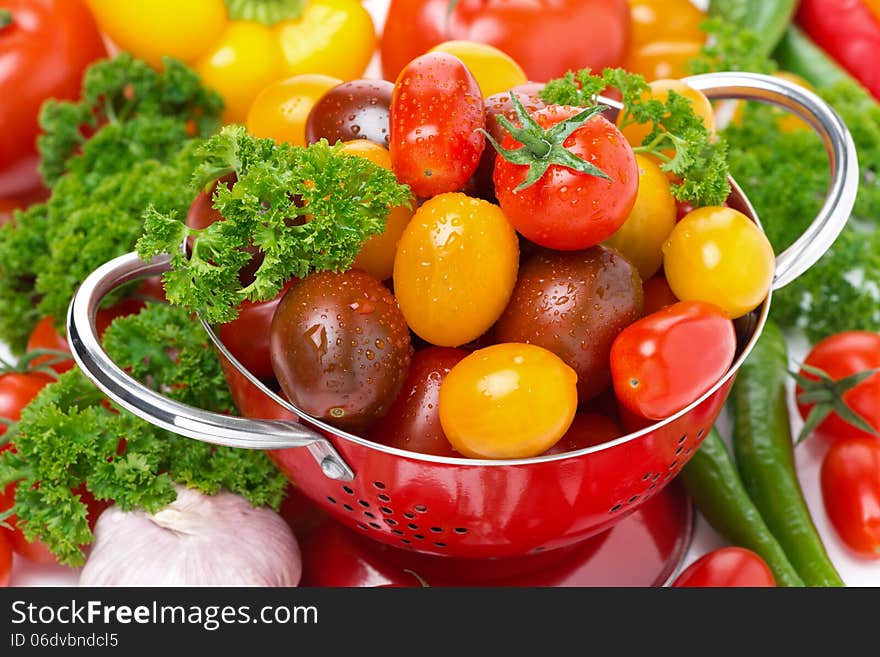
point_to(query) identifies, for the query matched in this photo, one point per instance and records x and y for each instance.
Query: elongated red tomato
(727, 567)
(566, 209)
(851, 492)
(436, 113)
(665, 361)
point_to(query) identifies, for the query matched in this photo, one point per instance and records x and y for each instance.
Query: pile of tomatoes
(517, 307)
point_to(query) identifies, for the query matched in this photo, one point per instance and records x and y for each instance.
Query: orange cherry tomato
(280, 110)
(635, 133)
(508, 401)
(663, 59)
(662, 20)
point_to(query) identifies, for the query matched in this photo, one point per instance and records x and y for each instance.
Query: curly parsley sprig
(304, 209)
(678, 139)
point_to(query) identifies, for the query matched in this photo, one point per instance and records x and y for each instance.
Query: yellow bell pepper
(241, 46)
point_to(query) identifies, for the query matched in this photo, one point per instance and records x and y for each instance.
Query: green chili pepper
(797, 53)
(768, 19)
(762, 446)
(712, 482)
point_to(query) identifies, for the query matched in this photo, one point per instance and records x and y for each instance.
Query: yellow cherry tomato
(333, 37)
(787, 121)
(640, 239)
(242, 62)
(665, 20)
(718, 255)
(508, 401)
(635, 133)
(376, 256)
(455, 269)
(149, 29)
(281, 109)
(663, 59)
(494, 70)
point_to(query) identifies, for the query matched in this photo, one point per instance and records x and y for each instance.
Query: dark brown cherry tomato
(352, 110)
(413, 422)
(247, 336)
(587, 430)
(436, 114)
(574, 304)
(340, 347)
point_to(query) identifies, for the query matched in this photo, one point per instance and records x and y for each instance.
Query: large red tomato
(545, 37)
(45, 46)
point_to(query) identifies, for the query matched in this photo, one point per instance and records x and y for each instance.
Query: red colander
(470, 508)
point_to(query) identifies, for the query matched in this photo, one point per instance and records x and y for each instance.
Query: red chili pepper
(849, 31)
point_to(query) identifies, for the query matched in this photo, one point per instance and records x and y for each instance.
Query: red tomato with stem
(841, 356)
(436, 115)
(653, 368)
(851, 491)
(45, 46)
(727, 567)
(545, 37)
(579, 185)
(413, 421)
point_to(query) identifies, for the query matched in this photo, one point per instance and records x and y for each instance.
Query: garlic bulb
(197, 540)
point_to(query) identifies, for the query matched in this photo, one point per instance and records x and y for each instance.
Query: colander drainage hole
(673, 464)
(647, 476)
(379, 485)
(700, 433)
(419, 537)
(397, 532)
(348, 507)
(364, 504)
(348, 490)
(436, 530)
(679, 450)
(391, 522)
(409, 516)
(385, 510)
(375, 526)
(682, 439)
(406, 541)
(439, 544)
(331, 500)
(460, 530)
(384, 498)
(413, 526)
(362, 526)
(421, 508)
(369, 515)
(616, 508)
(632, 499)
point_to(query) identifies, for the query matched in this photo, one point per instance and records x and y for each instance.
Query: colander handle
(161, 411)
(820, 235)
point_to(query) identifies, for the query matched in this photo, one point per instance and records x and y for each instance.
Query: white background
(855, 571)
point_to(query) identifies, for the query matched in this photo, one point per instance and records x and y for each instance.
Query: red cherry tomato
(653, 368)
(840, 356)
(17, 389)
(851, 491)
(249, 400)
(436, 113)
(565, 209)
(727, 567)
(545, 37)
(587, 430)
(413, 421)
(5, 561)
(247, 336)
(44, 50)
(658, 294)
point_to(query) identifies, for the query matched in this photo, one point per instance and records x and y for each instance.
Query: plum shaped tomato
(665, 361)
(413, 422)
(340, 347)
(566, 178)
(508, 401)
(718, 255)
(352, 110)
(436, 116)
(455, 268)
(574, 304)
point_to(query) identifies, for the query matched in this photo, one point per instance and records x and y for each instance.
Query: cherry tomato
(574, 304)
(35, 551)
(840, 356)
(281, 110)
(851, 492)
(249, 400)
(413, 422)
(719, 255)
(494, 70)
(508, 401)
(587, 430)
(653, 368)
(727, 567)
(352, 110)
(44, 51)
(376, 256)
(659, 20)
(455, 268)
(436, 114)
(340, 347)
(635, 133)
(650, 222)
(5, 561)
(658, 294)
(247, 336)
(566, 209)
(787, 121)
(546, 37)
(17, 389)
(663, 59)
